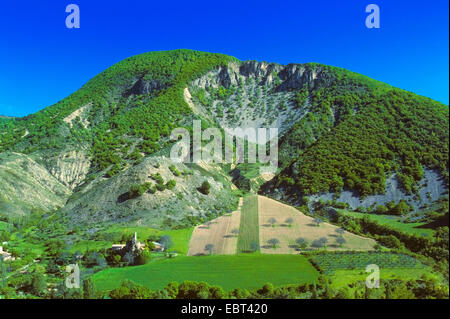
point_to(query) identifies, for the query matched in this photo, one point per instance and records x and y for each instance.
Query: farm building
(158, 246)
(117, 247)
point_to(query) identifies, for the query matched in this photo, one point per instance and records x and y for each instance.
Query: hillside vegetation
(380, 130)
(158, 78)
(338, 130)
(94, 168)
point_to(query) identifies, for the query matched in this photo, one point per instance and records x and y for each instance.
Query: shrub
(166, 242)
(143, 258)
(157, 178)
(137, 190)
(341, 205)
(272, 221)
(273, 242)
(301, 242)
(160, 187)
(289, 221)
(174, 170)
(390, 241)
(254, 246)
(267, 289)
(401, 208)
(171, 184)
(381, 209)
(209, 248)
(205, 188)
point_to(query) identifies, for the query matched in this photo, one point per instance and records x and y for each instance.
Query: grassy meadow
(249, 228)
(244, 271)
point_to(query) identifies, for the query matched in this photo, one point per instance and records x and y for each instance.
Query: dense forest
(359, 132)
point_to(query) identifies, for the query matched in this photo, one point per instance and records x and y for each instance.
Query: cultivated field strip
(218, 233)
(249, 229)
(301, 226)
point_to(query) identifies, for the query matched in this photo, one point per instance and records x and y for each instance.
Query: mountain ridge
(123, 117)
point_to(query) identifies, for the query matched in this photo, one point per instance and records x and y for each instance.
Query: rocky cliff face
(252, 94)
(291, 77)
(144, 86)
(296, 76)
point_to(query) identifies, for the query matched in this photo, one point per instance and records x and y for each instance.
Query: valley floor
(231, 264)
(243, 271)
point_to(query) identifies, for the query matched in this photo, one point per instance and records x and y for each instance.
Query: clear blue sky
(41, 61)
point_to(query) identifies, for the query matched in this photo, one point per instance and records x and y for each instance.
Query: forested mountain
(372, 131)
(104, 149)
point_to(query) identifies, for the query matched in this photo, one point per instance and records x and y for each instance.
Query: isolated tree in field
(319, 243)
(318, 221)
(340, 231)
(323, 240)
(209, 248)
(302, 243)
(235, 232)
(316, 243)
(273, 242)
(166, 242)
(341, 241)
(254, 246)
(289, 221)
(272, 221)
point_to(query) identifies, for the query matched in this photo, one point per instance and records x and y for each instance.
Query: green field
(229, 272)
(393, 222)
(249, 229)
